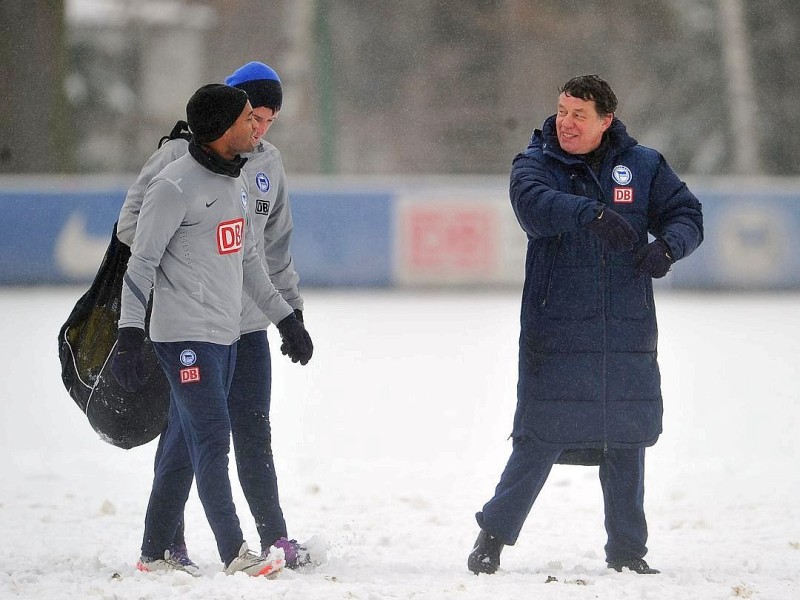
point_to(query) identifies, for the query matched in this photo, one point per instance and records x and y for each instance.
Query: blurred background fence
(399, 123)
(401, 86)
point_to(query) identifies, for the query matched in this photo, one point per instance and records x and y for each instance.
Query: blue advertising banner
(750, 241)
(51, 236)
(342, 237)
(392, 232)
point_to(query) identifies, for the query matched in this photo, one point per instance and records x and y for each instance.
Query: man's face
(241, 135)
(264, 118)
(578, 126)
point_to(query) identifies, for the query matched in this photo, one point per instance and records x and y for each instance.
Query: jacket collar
(616, 137)
(215, 163)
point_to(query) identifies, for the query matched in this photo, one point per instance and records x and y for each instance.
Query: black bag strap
(181, 130)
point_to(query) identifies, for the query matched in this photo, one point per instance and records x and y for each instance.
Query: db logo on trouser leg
(190, 375)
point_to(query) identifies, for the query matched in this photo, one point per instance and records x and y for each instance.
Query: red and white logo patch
(623, 195)
(230, 235)
(190, 375)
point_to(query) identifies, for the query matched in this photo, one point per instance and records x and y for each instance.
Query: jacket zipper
(550, 272)
(603, 287)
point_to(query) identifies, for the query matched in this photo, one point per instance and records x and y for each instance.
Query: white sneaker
(256, 565)
(147, 564)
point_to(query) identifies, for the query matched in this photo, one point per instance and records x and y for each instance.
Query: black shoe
(637, 565)
(485, 556)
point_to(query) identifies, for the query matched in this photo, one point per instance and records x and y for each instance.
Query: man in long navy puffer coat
(587, 195)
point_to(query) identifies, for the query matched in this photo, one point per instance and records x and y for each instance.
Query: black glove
(615, 233)
(128, 363)
(296, 341)
(654, 259)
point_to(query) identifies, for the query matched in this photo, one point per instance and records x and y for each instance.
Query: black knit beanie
(213, 109)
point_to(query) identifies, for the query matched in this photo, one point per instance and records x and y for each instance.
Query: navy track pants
(248, 406)
(622, 481)
(248, 409)
(197, 440)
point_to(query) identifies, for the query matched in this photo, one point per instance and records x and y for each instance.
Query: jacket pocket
(631, 294)
(571, 293)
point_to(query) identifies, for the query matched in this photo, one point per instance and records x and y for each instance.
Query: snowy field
(395, 434)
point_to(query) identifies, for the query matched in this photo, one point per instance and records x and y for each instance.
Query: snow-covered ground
(395, 434)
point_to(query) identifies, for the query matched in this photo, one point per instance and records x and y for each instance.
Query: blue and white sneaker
(181, 554)
(149, 564)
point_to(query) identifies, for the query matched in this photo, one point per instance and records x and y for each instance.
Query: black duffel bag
(86, 345)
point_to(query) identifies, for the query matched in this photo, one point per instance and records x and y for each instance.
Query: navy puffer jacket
(588, 371)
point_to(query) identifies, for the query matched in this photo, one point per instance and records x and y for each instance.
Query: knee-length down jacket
(588, 371)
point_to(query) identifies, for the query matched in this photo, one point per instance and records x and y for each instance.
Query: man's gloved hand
(615, 233)
(296, 343)
(128, 363)
(654, 259)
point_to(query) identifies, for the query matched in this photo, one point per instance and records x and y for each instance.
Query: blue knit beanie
(261, 82)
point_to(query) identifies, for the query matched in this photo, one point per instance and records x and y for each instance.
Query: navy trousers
(248, 410)
(248, 406)
(197, 440)
(622, 481)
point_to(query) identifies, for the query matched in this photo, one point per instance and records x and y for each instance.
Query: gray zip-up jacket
(196, 249)
(129, 214)
(271, 215)
(269, 211)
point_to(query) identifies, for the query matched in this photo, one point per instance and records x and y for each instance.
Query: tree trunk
(741, 88)
(35, 124)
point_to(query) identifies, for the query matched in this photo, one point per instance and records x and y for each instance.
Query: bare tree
(743, 108)
(773, 31)
(416, 86)
(35, 124)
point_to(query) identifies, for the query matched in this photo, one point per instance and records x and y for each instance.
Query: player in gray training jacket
(250, 392)
(195, 247)
(252, 382)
